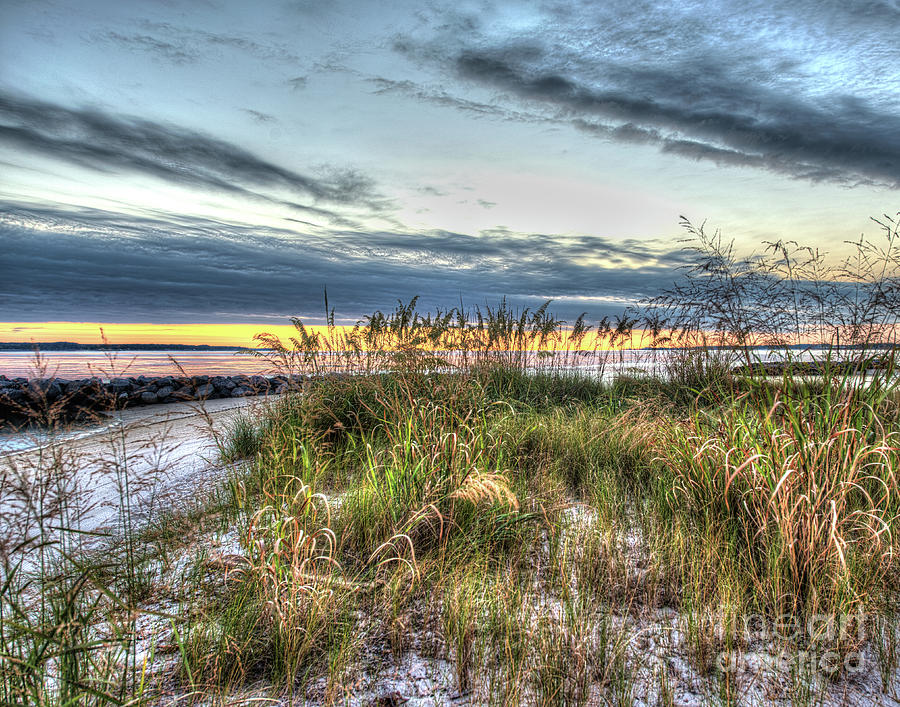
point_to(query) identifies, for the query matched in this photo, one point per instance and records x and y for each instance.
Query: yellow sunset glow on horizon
(139, 333)
(212, 334)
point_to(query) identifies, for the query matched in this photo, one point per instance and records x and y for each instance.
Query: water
(84, 364)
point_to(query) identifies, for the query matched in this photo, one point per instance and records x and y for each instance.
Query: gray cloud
(91, 138)
(88, 264)
(807, 90)
(177, 53)
(298, 82)
(850, 142)
(259, 116)
(186, 45)
(440, 97)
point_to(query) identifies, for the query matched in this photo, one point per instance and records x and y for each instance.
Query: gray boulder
(165, 392)
(76, 385)
(120, 385)
(205, 390)
(46, 389)
(222, 383)
(185, 393)
(16, 396)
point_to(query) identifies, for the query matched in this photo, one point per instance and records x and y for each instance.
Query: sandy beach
(157, 456)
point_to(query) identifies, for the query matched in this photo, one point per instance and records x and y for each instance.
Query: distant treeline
(72, 346)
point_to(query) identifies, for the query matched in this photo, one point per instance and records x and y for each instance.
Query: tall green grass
(805, 481)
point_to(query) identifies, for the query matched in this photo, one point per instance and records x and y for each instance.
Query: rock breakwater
(59, 399)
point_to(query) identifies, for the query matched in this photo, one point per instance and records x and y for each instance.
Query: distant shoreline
(72, 346)
(19, 346)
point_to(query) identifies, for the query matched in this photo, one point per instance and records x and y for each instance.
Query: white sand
(155, 456)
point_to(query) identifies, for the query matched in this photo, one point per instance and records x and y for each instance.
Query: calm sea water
(84, 364)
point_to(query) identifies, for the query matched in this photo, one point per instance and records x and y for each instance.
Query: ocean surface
(84, 364)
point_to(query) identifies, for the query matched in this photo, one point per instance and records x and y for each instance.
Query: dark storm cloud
(808, 89)
(91, 138)
(91, 264)
(847, 140)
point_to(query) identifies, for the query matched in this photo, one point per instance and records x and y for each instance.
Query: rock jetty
(22, 399)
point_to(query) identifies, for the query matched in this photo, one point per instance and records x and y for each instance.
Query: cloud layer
(91, 138)
(187, 45)
(808, 91)
(90, 264)
(465, 116)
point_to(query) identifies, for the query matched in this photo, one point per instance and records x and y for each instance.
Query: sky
(222, 163)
